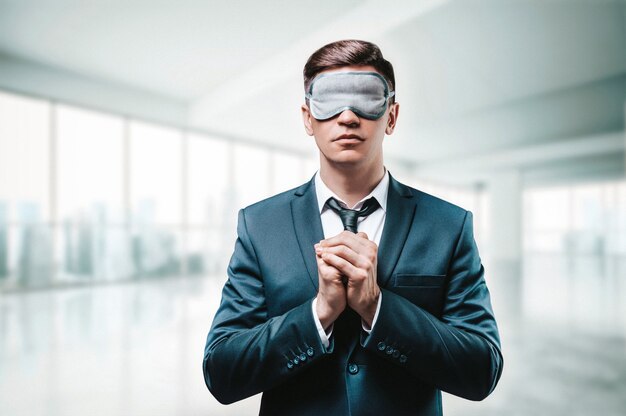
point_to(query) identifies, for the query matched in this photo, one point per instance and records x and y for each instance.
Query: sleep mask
(364, 93)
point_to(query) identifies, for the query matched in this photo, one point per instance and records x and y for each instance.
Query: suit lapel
(308, 226)
(398, 220)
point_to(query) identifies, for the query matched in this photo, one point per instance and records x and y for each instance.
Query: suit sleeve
(246, 351)
(458, 353)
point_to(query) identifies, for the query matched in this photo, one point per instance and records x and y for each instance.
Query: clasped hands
(346, 267)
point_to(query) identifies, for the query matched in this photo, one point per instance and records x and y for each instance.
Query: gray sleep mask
(364, 93)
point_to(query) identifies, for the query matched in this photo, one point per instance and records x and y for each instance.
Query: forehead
(350, 68)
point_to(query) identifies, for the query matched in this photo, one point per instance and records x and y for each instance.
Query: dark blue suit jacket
(435, 329)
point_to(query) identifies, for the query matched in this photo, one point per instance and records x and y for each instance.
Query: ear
(394, 110)
(307, 119)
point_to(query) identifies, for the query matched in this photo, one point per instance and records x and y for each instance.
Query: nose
(348, 118)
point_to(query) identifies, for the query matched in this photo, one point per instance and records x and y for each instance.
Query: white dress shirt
(372, 225)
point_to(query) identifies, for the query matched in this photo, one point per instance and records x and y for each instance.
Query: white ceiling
(474, 77)
(180, 49)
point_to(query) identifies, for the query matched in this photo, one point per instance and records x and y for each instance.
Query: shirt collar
(379, 192)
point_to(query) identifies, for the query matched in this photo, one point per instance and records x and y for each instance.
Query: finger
(344, 266)
(356, 243)
(362, 234)
(345, 238)
(346, 253)
(327, 271)
(321, 264)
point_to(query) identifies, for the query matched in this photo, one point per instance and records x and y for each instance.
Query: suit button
(395, 354)
(381, 346)
(310, 352)
(389, 350)
(403, 358)
(353, 368)
(303, 357)
(296, 361)
(290, 364)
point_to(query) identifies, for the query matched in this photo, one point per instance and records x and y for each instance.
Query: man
(364, 311)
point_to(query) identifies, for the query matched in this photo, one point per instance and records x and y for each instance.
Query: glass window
(91, 240)
(251, 174)
(4, 250)
(311, 165)
(577, 219)
(587, 203)
(209, 189)
(155, 174)
(28, 256)
(90, 166)
(24, 159)
(156, 251)
(208, 251)
(548, 208)
(615, 200)
(546, 217)
(288, 171)
(93, 251)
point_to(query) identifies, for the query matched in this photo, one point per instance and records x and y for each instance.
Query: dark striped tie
(349, 217)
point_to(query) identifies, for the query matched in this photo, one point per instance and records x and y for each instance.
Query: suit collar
(379, 192)
(305, 187)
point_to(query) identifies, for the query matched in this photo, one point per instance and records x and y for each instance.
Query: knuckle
(365, 262)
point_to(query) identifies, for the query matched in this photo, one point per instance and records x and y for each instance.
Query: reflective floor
(136, 348)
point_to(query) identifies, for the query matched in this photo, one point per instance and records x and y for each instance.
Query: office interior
(132, 132)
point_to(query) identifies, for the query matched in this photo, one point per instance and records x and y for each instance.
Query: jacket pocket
(419, 280)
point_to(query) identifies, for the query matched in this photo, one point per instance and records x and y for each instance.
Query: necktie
(349, 217)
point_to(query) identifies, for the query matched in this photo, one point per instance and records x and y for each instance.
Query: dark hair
(346, 53)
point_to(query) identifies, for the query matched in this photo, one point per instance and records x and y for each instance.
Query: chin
(347, 162)
(345, 157)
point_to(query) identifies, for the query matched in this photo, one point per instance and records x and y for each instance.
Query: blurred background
(131, 132)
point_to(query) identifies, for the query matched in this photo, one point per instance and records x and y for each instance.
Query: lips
(349, 138)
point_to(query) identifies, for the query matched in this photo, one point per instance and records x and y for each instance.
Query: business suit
(435, 329)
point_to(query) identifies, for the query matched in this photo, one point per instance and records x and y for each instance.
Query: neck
(351, 184)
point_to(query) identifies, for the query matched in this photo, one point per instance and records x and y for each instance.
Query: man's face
(347, 140)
